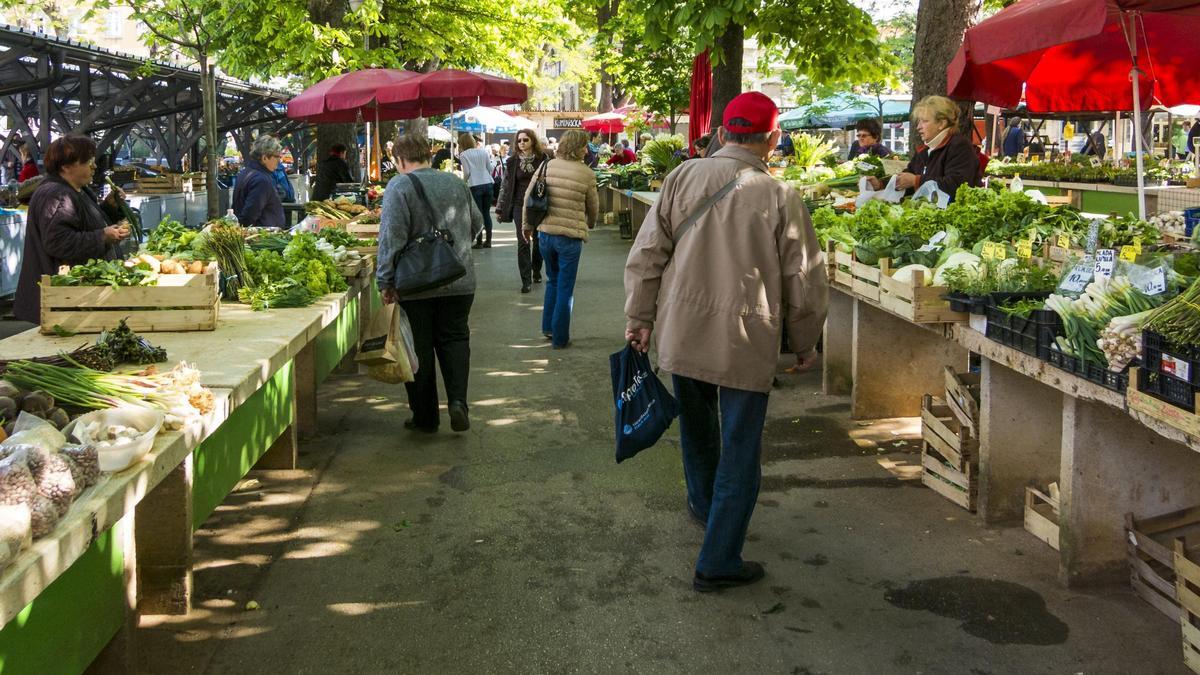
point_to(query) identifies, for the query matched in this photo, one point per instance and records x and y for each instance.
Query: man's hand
(116, 233)
(875, 183)
(804, 362)
(906, 180)
(389, 296)
(638, 338)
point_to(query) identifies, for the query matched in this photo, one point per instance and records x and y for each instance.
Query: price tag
(1156, 283)
(1025, 249)
(1078, 279)
(1093, 235)
(1137, 245)
(937, 238)
(1064, 241)
(994, 251)
(1129, 253)
(1106, 263)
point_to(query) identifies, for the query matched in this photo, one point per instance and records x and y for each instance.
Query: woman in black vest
(519, 172)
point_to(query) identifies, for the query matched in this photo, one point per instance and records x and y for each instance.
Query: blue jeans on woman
(562, 264)
(720, 430)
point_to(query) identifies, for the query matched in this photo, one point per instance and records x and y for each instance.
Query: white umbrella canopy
(487, 120)
(439, 134)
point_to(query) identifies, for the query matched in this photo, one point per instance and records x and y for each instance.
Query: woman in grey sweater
(439, 317)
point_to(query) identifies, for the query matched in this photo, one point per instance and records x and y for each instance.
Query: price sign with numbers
(1064, 241)
(994, 251)
(1137, 245)
(1078, 278)
(1106, 263)
(1129, 253)
(1024, 249)
(1156, 283)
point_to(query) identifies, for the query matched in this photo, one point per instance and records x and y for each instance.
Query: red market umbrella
(604, 123)
(343, 98)
(1082, 55)
(700, 106)
(443, 91)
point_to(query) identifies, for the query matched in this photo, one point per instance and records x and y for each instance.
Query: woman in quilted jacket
(561, 234)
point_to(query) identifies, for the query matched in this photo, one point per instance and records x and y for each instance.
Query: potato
(196, 267)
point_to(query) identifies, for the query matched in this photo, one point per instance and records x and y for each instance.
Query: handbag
(428, 260)
(644, 407)
(537, 204)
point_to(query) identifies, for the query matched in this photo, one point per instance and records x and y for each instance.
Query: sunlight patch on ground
(364, 608)
(872, 433)
(506, 373)
(544, 345)
(494, 401)
(502, 422)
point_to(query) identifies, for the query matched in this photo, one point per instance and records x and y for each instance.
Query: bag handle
(709, 203)
(420, 189)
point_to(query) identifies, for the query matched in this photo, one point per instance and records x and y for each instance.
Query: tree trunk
(940, 28)
(208, 90)
(727, 75)
(605, 13)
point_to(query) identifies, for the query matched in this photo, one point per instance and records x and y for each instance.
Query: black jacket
(331, 171)
(255, 201)
(954, 164)
(65, 227)
(512, 191)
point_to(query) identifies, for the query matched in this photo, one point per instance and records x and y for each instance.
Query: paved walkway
(520, 547)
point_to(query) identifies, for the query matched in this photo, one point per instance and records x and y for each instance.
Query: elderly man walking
(724, 259)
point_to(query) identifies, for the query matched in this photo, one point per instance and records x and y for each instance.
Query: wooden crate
(949, 455)
(1187, 588)
(838, 263)
(914, 300)
(359, 268)
(1041, 516)
(166, 183)
(180, 302)
(363, 230)
(1152, 572)
(962, 397)
(1188, 423)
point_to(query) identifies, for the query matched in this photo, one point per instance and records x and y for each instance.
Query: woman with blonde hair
(562, 233)
(521, 167)
(947, 157)
(476, 161)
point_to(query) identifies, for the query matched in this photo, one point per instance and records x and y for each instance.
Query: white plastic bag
(33, 430)
(890, 193)
(929, 190)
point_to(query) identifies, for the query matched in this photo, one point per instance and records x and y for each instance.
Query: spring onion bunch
(1085, 317)
(1179, 319)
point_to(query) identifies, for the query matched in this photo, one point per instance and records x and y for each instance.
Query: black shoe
(695, 517)
(526, 287)
(487, 244)
(548, 336)
(561, 346)
(411, 425)
(458, 416)
(478, 244)
(750, 573)
(537, 278)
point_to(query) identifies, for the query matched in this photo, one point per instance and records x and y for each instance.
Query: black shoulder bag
(537, 204)
(428, 260)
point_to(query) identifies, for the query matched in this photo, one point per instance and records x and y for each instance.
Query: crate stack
(950, 440)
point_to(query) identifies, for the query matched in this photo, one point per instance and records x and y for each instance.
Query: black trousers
(529, 256)
(482, 194)
(439, 327)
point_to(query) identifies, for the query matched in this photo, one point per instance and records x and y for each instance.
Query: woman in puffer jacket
(561, 234)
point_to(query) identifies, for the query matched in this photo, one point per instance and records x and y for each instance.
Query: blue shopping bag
(644, 407)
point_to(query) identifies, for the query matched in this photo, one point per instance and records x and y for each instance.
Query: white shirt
(477, 166)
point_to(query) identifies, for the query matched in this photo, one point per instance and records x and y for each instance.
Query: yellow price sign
(1064, 241)
(1129, 253)
(994, 251)
(1137, 244)
(1025, 249)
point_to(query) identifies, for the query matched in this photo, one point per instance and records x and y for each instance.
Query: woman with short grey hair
(255, 200)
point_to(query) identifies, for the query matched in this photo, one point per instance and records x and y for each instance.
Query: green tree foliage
(657, 77)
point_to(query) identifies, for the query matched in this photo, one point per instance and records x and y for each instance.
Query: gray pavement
(521, 547)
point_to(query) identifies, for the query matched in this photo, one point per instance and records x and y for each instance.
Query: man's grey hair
(264, 145)
(745, 139)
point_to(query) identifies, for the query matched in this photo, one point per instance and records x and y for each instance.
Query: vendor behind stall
(867, 134)
(947, 158)
(66, 223)
(255, 201)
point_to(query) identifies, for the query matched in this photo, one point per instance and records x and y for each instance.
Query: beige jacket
(573, 200)
(718, 301)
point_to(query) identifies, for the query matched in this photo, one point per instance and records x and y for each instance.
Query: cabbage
(905, 274)
(956, 260)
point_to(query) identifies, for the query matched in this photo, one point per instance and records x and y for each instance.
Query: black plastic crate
(1032, 335)
(1182, 362)
(1090, 372)
(1166, 388)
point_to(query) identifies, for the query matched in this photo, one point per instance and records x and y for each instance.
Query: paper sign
(1137, 245)
(1093, 235)
(1106, 263)
(1129, 253)
(1024, 249)
(1078, 279)
(1176, 367)
(937, 238)
(1064, 241)
(1156, 283)
(994, 251)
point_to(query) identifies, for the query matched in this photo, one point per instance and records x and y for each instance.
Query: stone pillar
(1020, 440)
(1112, 466)
(837, 356)
(282, 453)
(305, 369)
(119, 656)
(164, 543)
(895, 362)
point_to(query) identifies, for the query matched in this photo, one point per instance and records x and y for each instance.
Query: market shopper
(29, 167)
(1014, 139)
(256, 202)
(574, 206)
(622, 155)
(66, 224)
(715, 298)
(947, 158)
(332, 170)
(519, 172)
(416, 200)
(477, 167)
(867, 135)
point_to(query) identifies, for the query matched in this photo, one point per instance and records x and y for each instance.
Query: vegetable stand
(125, 547)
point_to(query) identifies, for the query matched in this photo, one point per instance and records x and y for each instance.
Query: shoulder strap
(420, 189)
(709, 203)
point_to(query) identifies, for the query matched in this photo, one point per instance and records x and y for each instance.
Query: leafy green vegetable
(171, 238)
(114, 273)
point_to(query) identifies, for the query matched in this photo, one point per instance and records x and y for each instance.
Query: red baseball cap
(758, 111)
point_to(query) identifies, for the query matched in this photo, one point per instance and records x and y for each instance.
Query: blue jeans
(562, 264)
(721, 433)
(482, 194)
